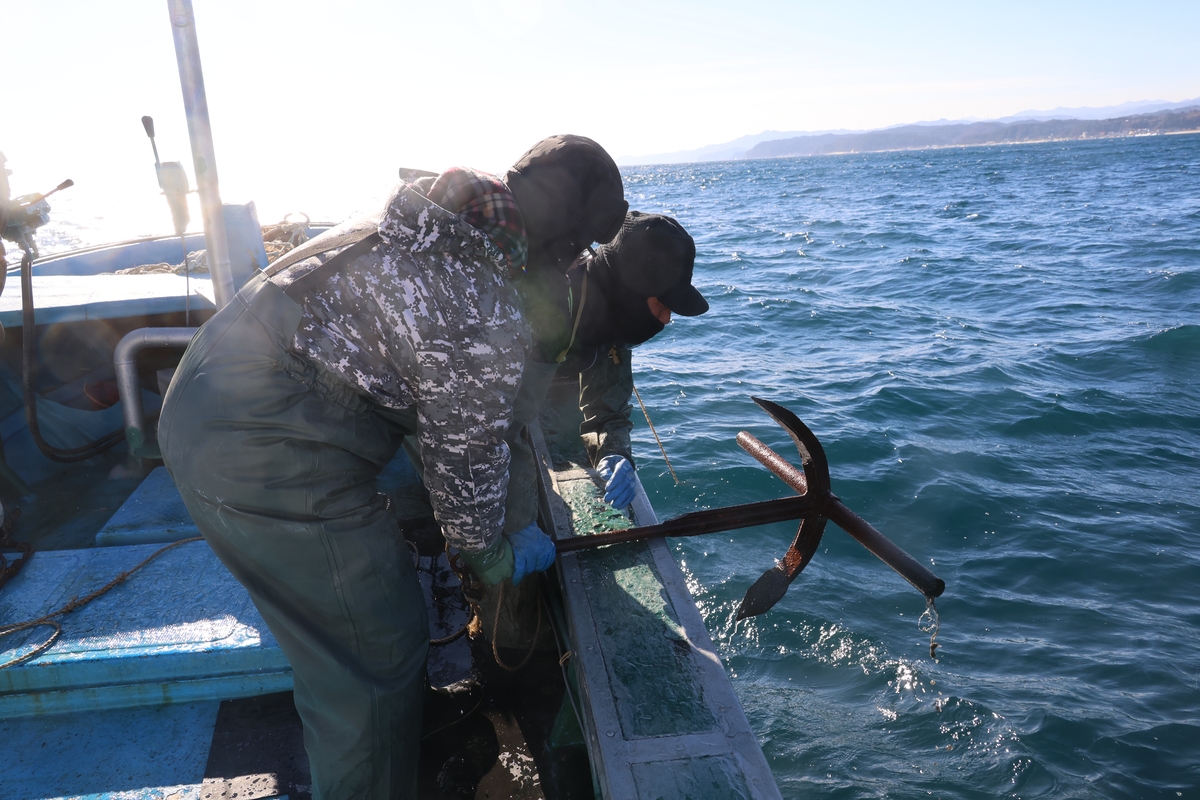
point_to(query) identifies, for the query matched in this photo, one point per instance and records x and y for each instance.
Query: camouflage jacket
(427, 322)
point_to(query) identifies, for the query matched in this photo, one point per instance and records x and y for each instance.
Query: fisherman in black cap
(647, 274)
(587, 323)
(294, 396)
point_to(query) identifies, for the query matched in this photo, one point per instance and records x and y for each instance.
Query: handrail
(128, 387)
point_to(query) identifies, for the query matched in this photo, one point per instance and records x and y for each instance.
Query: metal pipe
(191, 80)
(128, 387)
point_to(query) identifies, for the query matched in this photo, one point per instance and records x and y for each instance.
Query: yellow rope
(496, 629)
(646, 414)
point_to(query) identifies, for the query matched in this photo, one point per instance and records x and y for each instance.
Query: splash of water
(929, 623)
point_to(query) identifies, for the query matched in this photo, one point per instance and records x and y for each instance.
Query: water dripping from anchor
(929, 623)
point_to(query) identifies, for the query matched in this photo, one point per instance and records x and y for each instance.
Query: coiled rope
(75, 604)
(285, 235)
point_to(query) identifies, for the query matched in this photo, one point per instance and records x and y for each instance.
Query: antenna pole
(191, 79)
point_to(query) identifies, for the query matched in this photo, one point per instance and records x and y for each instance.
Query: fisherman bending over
(585, 324)
(610, 301)
(292, 399)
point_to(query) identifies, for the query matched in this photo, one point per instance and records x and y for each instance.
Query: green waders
(276, 461)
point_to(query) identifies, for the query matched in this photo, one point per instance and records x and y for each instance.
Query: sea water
(999, 349)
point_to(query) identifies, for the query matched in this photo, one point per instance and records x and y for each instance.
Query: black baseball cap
(654, 256)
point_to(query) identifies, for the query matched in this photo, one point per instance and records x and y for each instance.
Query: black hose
(29, 382)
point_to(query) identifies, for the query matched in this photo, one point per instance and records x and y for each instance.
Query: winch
(21, 216)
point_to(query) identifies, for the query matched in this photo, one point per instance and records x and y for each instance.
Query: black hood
(570, 194)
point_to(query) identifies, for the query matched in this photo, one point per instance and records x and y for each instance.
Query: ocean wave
(1183, 340)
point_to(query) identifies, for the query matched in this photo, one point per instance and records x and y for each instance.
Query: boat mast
(191, 80)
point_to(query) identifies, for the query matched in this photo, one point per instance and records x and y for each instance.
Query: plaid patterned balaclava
(488, 206)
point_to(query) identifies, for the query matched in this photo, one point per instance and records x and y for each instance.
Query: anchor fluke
(813, 483)
(768, 590)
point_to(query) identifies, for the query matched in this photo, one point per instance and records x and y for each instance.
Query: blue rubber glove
(533, 551)
(619, 487)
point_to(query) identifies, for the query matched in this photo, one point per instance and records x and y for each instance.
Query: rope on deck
(75, 604)
(278, 239)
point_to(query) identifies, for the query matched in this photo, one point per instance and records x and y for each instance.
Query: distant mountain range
(1127, 119)
(916, 137)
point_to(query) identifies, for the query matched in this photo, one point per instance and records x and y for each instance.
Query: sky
(315, 104)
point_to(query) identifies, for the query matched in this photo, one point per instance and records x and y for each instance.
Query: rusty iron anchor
(813, 505)
(813, 483)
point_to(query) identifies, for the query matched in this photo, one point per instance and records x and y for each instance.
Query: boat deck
(174, 687)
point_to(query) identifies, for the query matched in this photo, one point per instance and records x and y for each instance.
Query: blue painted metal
(61, 298)
(71, 288)
(112, 257)
(154, 513)
(182, 630)
(88, 293)
(247, 255)
(133, 753)
(62, 426)
(152, 694)
(122, 255)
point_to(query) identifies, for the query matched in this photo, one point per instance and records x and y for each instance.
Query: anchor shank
(696, 523)
(885, 549)
(830, 506)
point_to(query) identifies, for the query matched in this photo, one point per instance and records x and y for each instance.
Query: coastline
(1049, 140)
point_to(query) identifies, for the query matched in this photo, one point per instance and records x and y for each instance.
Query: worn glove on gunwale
(617, 473)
